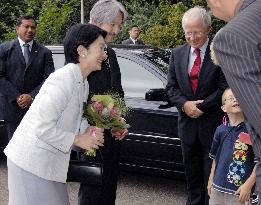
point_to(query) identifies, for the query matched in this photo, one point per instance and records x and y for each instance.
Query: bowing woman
(38, 154)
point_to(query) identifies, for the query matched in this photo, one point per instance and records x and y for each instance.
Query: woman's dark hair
(80, 34)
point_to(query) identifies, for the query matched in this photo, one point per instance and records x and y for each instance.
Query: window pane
(136, 80)
(59, 60)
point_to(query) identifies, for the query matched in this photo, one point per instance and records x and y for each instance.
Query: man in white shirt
(195, 86)
(134, 33)
(24, 66)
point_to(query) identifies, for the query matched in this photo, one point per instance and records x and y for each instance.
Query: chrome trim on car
(154, 136)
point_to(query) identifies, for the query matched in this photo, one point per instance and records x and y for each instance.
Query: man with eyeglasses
(195, 86)
(109, 15)
(24, 66)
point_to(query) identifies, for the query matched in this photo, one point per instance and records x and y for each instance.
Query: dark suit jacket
(238, 50)
(129, 41)
(16, 78)
(211, 85)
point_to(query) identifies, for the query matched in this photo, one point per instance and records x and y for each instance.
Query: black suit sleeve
(6, 87)
(48, 69)
(214, 99)
(173, 90)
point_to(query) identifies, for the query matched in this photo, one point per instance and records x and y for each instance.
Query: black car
(152, 146)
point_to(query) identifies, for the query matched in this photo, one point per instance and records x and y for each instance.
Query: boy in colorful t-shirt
(232, 174)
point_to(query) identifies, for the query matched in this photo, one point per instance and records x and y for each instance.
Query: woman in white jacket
(38, 154)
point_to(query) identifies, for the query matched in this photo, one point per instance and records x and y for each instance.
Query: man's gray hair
(196, 13)
(105, 11)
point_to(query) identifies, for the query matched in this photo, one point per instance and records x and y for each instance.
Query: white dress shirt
(21, 42)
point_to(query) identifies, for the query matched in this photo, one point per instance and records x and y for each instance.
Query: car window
(58, 59)
(136, 80)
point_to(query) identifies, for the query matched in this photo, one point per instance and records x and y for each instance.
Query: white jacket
(42, 142)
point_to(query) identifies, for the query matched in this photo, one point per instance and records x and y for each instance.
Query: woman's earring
(83, 55)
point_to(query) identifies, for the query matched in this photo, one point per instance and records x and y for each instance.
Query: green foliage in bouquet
(106, 111)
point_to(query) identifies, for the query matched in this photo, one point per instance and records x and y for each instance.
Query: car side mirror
(158, 94)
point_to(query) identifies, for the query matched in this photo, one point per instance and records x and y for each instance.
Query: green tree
(54, 21)
(9, 11)
(140, 12)
(161, 23)
(159, 20)
(167, 32)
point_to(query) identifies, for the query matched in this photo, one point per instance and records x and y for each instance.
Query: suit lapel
(78, 77)
(204, 70)
(184, 69)
(19, 52)
(33, 53)
(130, 41)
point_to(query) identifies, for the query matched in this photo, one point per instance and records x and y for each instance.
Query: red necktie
(193, 76)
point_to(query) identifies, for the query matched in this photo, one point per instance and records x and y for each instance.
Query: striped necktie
(26, 53)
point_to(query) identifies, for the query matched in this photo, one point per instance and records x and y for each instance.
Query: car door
(152, 145)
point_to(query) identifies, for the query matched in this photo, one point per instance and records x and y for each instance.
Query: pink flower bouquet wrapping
(107, 112)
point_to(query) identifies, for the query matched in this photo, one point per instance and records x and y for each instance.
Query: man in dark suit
(108, 15)
(134, 33)
(24, 65)
(237, 48)
(195, 86)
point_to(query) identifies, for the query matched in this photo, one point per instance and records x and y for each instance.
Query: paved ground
(133, 189)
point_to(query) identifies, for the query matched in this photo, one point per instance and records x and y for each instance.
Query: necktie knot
(26, 45)
(197, 52)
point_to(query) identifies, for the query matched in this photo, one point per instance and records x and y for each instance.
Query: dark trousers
(197, 169)
(105, 194)
(11, 127)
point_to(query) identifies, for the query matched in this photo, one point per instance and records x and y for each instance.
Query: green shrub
(54, 22)
(169, 33)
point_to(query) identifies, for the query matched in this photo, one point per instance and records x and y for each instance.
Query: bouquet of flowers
(107, 112)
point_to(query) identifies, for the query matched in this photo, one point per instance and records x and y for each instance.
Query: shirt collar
(133, 40)
(78, 73)
(21, 42)
(202, 49)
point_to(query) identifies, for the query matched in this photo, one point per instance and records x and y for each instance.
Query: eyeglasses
(196, 34)
(230, 99)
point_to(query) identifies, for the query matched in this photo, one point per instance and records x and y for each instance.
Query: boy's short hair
(224, 95)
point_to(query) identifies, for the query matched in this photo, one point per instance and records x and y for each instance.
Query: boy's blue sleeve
(215, 144)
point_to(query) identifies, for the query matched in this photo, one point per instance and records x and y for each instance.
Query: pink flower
(114, 112)
(97, 106)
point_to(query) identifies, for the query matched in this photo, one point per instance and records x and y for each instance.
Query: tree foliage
(9, 10)
(161, 25)
(159, 20)
(54, 21)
